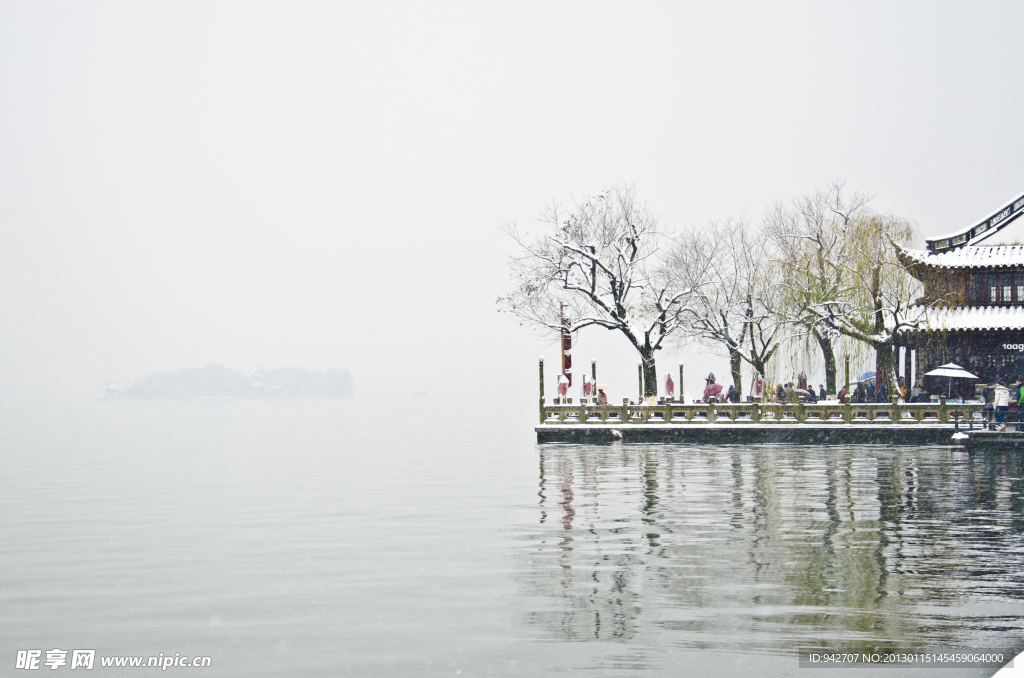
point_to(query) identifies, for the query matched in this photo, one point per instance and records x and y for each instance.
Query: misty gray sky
(323, 184)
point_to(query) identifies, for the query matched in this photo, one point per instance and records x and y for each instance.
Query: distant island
(218, 381)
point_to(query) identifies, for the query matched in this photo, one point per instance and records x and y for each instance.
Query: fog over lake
(322, 186)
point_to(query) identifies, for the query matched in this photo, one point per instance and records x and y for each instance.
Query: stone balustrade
(764, 413)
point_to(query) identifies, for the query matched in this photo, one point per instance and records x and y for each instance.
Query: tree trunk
(885, 369)
(883, 350)
(735, 364)
(759, 368)
(650, 371)
(825, 342)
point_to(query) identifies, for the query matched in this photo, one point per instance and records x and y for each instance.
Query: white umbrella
(950, 370)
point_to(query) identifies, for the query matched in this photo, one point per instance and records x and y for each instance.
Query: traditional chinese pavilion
(975, 278)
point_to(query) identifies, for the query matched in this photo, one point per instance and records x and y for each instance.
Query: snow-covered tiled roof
(976, 318)
(967, 257)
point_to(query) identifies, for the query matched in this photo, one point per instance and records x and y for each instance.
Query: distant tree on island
(217, 381)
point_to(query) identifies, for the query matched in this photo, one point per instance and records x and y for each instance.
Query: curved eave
(911, 263)
(997, 219)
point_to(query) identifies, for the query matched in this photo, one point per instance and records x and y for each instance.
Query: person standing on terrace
(1002, 404)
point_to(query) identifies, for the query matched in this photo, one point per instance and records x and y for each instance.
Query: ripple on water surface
(767, 548)
(375, 538)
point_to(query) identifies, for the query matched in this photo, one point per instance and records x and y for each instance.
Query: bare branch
(603, 263)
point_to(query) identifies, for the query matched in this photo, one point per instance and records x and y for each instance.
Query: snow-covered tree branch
(600, 264)
(736, 300)
(814, 240)
(877, 298)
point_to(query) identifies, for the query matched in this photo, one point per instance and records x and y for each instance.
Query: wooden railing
(765, 413)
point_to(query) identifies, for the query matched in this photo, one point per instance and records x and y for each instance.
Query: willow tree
(736, 301)
(815, 241)
(600, 264)
(877, 299)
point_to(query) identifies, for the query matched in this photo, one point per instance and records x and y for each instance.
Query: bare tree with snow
(602, 265)
(736, 304)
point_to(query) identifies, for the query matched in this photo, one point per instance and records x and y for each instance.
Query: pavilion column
(906, 365)
(915, 359)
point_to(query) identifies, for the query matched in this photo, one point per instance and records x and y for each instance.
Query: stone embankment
(936, 423)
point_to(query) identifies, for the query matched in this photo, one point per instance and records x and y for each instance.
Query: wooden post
(593, 376)
(541, 362)
(681, 384)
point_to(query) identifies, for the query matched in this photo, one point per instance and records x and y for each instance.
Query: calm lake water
(427, 537)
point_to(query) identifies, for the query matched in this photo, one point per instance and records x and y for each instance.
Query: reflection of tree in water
(772, 547)
(585, 575)
(568, 512)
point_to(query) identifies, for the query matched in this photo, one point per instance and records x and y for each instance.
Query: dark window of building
(1006, 287)
(993, 288)
(978, 288)
(1018, 282)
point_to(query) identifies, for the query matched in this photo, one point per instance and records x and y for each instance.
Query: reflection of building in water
(725, 546)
